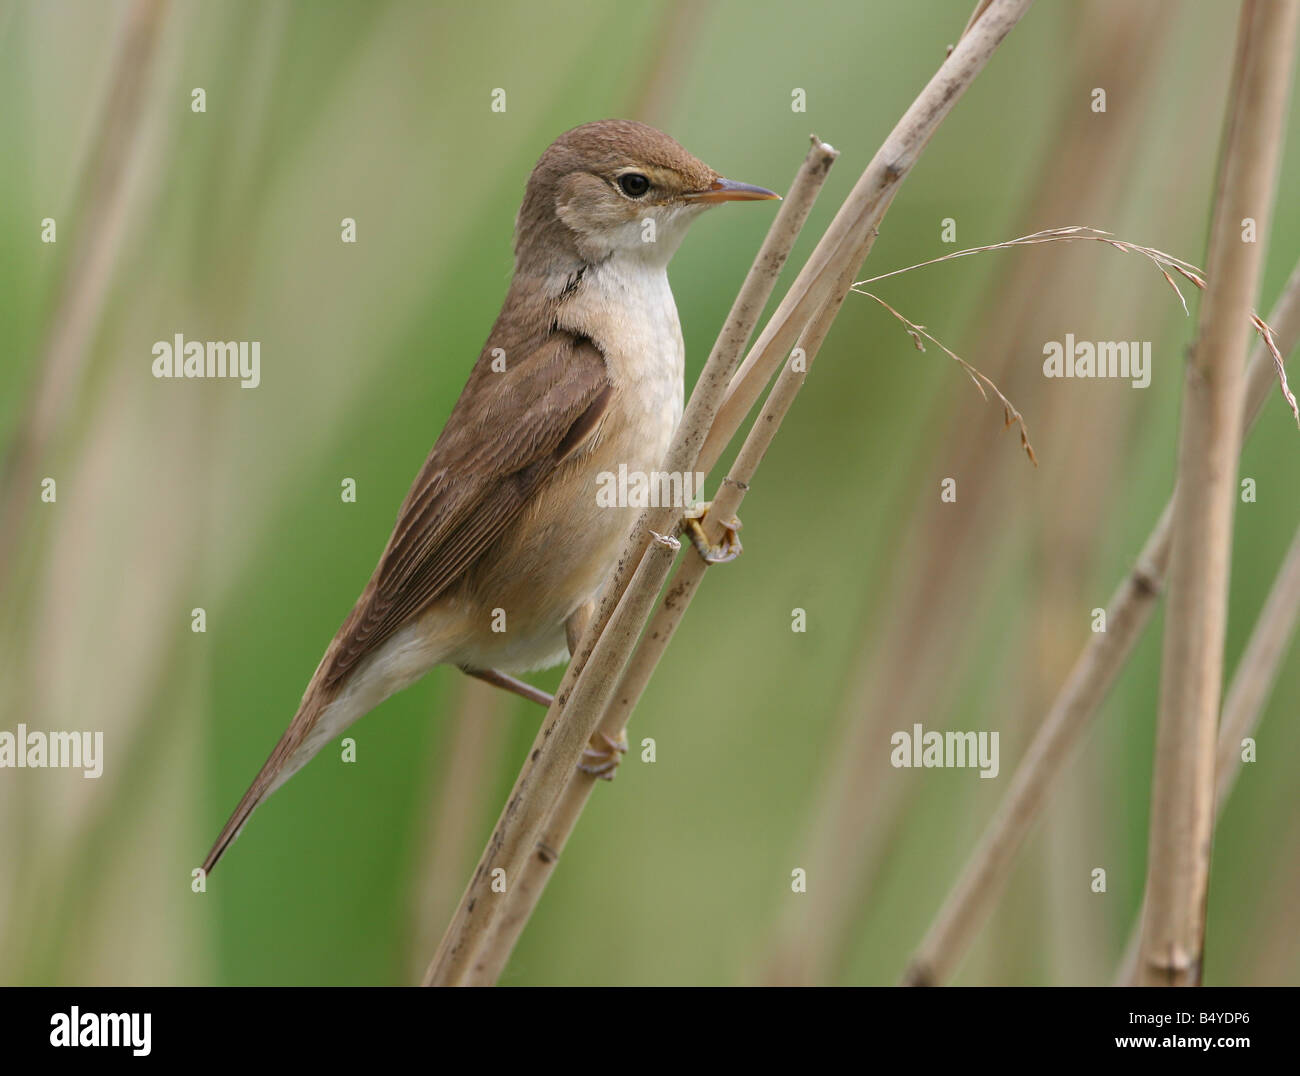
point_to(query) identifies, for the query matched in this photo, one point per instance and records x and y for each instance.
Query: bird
(581, 372)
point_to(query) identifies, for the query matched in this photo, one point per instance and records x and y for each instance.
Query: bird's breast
(561, 552)
(627, 309)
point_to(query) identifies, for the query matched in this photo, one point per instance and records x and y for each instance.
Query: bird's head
(616, 188)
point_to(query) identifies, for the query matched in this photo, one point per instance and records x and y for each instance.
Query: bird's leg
(602, 756)
(693, 527)
(509, 683)
(577, 624)
(573, 629)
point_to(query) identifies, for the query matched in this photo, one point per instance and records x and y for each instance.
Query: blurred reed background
(772, 746)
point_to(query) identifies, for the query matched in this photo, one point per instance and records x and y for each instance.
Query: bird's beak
(728, 190)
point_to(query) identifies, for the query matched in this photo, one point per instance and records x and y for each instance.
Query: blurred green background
(177, 495)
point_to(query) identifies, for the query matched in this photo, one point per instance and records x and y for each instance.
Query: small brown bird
(582, 372)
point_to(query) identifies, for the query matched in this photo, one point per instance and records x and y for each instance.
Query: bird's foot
(602, 756)
(725, 551)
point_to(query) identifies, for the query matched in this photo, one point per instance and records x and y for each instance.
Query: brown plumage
(471, 488)
(580, 373)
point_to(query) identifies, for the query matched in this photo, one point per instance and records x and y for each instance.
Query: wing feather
(507, 435)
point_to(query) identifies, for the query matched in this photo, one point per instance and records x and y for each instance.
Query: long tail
(288, 757)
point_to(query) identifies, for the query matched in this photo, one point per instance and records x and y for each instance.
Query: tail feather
(272, 774)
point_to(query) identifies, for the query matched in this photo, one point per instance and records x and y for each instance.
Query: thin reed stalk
(858, 806)
(1098, 666)
(708, 420)
(654, 643)
(736, 331)
(1243, 707)
(1182, 798)
(100, 207)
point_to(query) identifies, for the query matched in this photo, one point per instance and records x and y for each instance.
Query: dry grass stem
(1243, 707)
(706, 427)
(455, 961)
(1011, 414)
(101, 205)
(849, 238)
(1256, 672)
(654, 643)
(980, 7)
(859, 809)
(1130, 607)
(556, 752)
(1162, 261)
(1182, 797)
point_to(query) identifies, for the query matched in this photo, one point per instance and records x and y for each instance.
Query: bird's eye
(633, 184)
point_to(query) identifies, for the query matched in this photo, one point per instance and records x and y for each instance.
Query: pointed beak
(728, 190)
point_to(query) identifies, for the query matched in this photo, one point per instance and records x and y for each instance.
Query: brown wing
(506, 435)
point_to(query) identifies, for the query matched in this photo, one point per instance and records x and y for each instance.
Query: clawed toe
(602, 757)
(725, 551)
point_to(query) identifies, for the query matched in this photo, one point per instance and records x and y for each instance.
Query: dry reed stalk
(850, 235)
(653, 645)
(572, 721)
(858, 806)
(677, 38)
(1256, 672)
(1182, 797)
(1105, 654)
(1243, 707)
(744, 314)
(548, 771)
(100, 205)
(462, 800)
